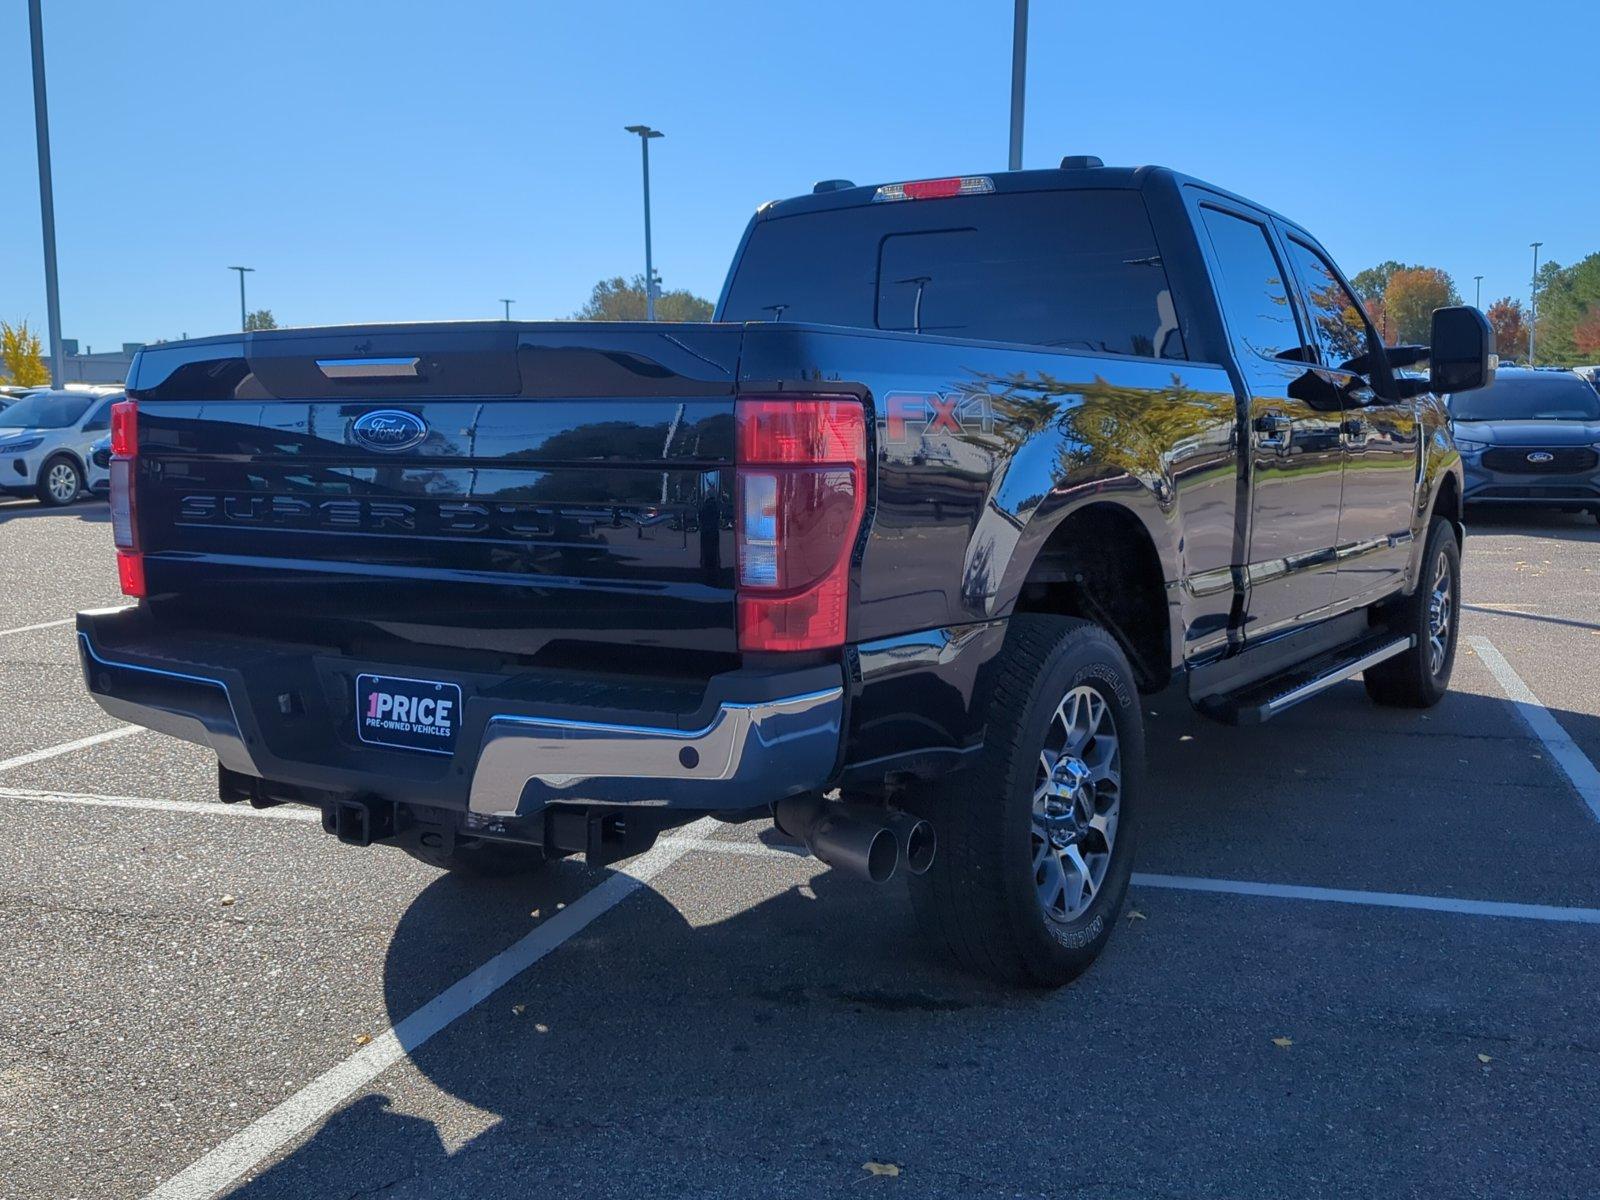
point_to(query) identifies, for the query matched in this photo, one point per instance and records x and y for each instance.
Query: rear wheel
(1036, 841)
(60, 482)
(1420, 677)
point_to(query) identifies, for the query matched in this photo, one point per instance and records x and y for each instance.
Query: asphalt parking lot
(1360, 957)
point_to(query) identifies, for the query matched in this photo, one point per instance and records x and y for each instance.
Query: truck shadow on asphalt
(88, 511)
(779, 1041)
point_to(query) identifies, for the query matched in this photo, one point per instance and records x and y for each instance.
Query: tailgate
(493, 487)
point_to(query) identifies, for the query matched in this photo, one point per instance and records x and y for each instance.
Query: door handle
(1278, 428)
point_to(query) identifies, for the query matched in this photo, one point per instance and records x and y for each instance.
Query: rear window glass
(1075, 270)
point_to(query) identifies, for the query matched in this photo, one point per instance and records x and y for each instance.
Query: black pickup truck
(885, 553)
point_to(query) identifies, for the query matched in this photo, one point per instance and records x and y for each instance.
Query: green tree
(1372, 283)
(262, 318)
(1410, 298)
(21, 353)
(619, 299)
(1567, 295)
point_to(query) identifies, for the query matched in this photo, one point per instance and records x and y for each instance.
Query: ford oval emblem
(389, 429)
(1541, 456)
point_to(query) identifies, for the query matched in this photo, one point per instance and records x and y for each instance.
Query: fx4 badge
(930, 412)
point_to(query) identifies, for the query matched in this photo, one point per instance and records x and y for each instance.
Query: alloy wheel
(1076, 797)
(62, 483)
(1441, 612)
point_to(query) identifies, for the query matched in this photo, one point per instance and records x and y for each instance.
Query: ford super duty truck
(887, 552)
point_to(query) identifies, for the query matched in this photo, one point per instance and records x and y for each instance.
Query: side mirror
(1463, 353)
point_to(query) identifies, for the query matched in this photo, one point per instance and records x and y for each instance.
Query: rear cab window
(1066, 269)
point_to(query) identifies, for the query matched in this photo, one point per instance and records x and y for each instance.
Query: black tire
(55, 470)
(982, 899)
(481, 859)
(1420, 677)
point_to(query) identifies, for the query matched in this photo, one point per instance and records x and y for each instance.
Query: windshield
(1552, 397)
(49, 410)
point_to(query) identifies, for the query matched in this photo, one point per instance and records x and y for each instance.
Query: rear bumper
(281, 713)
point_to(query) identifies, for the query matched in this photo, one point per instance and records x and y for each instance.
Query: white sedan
(45, 443)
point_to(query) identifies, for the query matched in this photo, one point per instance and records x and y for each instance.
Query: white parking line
(204, 808)
(1585, 779)
(40, 625)
(266, 1135)
(83, 743)
(1289, 891)
(680, 844)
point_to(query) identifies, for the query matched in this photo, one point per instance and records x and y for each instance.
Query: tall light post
(1477, 296)
(645, 134)
(1533, 301)
(243, 319)
(1019, 71)
(47, 198)
(508, 304)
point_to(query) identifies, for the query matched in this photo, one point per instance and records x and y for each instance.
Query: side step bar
(1262, 701)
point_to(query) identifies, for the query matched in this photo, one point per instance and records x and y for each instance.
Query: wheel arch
(1101, 562)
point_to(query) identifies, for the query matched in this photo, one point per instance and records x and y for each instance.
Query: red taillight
(800, 492)
(124, 506)
(125, 428)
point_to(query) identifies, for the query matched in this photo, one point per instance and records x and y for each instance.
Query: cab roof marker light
(935, 189)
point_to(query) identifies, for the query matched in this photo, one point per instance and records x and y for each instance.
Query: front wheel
(60, 482)
(1036, 840)
(1420, 677)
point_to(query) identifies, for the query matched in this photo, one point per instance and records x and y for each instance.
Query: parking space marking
(680, 844)
(1585, 779)
(1450, 904)
(40, 625)
(1282, 891)
(83, 743)
(251, 1146)
(152, 804)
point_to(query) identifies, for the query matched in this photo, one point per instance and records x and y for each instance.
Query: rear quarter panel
(983, 450)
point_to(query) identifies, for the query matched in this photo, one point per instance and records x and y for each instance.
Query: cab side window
(1253, 288)
(99, 419)
(1337, 322)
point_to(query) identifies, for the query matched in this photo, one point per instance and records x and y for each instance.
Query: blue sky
(389, 161)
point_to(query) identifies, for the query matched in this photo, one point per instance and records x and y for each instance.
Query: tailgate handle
(368, 368)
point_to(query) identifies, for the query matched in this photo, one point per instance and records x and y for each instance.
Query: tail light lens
(124, 501)
(800, 493)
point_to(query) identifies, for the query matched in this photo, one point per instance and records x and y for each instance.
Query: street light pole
(1019, 71)
(1477, 297)
(1533, 301)
(47, 198)
(645, 134)
(508, 304)
(243, 319)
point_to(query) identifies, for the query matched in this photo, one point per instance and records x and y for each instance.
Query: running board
(1262, 701)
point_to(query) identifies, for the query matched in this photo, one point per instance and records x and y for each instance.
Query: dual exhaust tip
(869, 843)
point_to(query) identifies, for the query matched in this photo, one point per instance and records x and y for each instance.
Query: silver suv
(45, 442)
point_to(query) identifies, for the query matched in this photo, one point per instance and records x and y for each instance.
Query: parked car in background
(45, 441)
(98, 477)
(9, 395)
(1533, 438)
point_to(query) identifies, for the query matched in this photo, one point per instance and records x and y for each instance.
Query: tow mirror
(1463, 354)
